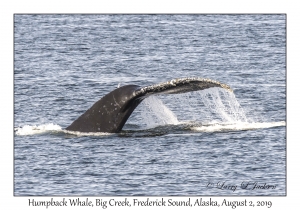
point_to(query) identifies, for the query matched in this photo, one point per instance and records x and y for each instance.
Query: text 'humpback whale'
(111, 112)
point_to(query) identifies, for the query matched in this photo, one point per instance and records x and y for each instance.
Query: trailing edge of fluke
(111, 112)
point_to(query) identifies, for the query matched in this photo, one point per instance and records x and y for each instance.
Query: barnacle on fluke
(182, 85)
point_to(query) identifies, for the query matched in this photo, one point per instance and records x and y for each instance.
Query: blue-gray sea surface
(63, 64)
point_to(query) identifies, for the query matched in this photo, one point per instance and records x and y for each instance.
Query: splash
(34, 129)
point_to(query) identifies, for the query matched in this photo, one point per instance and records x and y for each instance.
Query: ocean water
(199, 143)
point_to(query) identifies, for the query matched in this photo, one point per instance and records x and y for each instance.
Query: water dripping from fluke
(209, 110)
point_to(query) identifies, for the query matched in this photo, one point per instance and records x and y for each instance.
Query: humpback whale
(111, 112)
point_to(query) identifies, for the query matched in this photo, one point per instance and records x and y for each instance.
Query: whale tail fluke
(111, 112)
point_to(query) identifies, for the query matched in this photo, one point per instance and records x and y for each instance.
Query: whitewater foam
(236, 126)
(77, 133)
(37, 129)
(28, 130)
